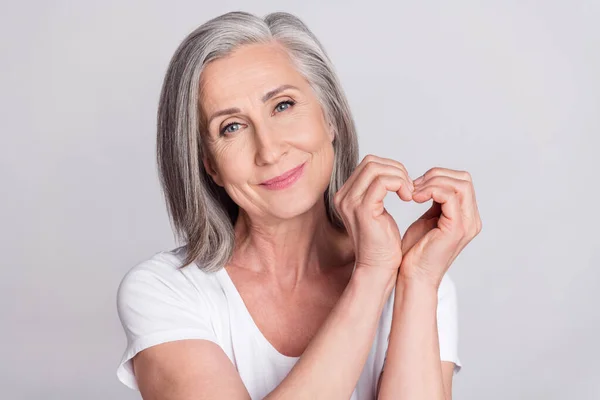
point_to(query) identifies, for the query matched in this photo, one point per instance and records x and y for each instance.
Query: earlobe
(331, 133)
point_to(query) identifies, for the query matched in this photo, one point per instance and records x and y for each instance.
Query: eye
(284, 105)
(235, 126)
(226, 128)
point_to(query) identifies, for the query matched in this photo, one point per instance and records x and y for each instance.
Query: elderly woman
(294, 281)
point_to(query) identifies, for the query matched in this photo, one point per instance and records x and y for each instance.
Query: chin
(286, 208)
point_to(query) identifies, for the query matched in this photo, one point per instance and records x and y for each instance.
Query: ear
(331, 132)
(211, 170)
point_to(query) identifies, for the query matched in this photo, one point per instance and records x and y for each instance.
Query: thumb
(416, 232)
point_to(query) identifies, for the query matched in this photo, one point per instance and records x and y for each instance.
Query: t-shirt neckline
(230, 286)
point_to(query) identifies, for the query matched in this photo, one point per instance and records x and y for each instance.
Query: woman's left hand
(432, 242)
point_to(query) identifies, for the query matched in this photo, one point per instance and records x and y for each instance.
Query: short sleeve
(157, 304)
(447, 321)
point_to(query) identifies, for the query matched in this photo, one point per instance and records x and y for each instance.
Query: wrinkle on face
(266, 144)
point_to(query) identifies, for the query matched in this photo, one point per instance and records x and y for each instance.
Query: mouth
(286, 179)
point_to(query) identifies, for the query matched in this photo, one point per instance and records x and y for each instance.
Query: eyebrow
(270, 94)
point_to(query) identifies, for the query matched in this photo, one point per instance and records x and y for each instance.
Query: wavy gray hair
(202, 214)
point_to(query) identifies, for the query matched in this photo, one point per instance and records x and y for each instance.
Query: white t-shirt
(157, 303)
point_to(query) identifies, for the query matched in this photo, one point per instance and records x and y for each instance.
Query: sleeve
(157, 304)
(447, 321)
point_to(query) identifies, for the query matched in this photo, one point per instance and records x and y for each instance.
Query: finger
(439, 171)
(379, 187)
(433, 212)
(458, 185)
(365, 161)
(383, 160)
(465, 192)
(370, 172)
(393, 162)
(451, 216)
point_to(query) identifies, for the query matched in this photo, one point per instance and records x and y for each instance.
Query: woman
(294, 282)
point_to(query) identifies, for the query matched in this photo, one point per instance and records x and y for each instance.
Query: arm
(342, 344)
(333, 361)
(413, 369)
(199, 369)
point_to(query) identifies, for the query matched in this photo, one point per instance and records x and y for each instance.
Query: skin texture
(277, 249)
(429, 247)
(293, 270)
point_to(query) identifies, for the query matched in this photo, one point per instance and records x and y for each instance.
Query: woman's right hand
(377, 240)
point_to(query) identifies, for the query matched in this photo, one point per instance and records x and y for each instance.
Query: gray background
(507, 90)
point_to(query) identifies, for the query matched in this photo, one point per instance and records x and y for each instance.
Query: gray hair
(202, 214)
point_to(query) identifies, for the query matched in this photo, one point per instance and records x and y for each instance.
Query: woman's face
(263, 120)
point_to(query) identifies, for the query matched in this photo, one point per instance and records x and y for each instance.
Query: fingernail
(418, 180)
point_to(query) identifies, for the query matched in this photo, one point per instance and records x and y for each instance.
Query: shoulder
(162, 280)
(157, 274)
(160, 300)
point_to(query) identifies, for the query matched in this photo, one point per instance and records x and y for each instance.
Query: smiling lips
(284, 180)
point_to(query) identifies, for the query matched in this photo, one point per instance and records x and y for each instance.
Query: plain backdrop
(507, 90)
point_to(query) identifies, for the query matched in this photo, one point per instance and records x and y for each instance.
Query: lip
(286, 179)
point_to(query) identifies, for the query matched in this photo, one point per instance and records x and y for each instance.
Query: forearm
(334, 359)
(413, 367)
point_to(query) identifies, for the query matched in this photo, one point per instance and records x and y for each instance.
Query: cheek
(306, 132)
(233, 162)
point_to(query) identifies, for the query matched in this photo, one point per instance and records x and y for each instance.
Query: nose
(270, 145)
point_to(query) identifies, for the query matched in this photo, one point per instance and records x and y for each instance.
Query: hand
(359, 202)
(432, 242)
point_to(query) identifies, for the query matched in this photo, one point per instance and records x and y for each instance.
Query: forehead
(247, 74)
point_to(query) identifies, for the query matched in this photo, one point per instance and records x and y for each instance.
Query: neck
(292, 249)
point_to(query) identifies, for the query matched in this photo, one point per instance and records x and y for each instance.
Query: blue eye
(227, 130)
(287, 104)
(235, 126)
